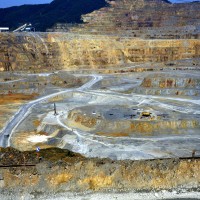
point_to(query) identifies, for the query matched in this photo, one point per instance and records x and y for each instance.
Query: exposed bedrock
(121, 33)
(21, 83)
(62, 170)
(167, 84)
(53, 51)
(165, 81)
(144, 19)
(119, 121)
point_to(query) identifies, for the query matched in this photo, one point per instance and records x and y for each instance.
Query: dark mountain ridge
(46, 15)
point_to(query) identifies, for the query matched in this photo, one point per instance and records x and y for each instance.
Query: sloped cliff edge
(61, 170)
(119, 34)
(54, 51)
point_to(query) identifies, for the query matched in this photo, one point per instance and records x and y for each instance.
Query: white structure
(21, 28)
(25, 28)
(4, 29)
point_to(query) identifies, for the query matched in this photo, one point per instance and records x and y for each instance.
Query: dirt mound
(12, 157)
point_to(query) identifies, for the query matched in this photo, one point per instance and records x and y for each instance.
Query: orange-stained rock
(98, 182)
(81, 174)
(93, 52)
(58, 179)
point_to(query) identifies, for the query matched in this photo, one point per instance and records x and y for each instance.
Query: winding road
(134, 148)
(22, 113)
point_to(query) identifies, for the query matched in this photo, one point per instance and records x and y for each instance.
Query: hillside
(105, 109)
(46, 15)
(144, 18)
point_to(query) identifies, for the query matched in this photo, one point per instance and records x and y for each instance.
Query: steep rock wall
(144, 18)
(121, 33)
(53, 51)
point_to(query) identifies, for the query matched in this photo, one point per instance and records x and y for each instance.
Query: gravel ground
(173, 195)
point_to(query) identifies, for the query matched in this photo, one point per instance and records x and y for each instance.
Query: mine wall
(111, 38)
(57, 170)
(54, 51)
(120, 33)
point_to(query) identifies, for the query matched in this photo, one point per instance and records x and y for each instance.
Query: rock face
(165, 85)
(36, 84)
(122, 33)
(53, 51)
(146, 18)
(127, 34)
(125, 121)
(64, 170)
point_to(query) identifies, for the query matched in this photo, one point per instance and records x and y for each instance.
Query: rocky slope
(117, 38)
(120, 34)
(147, 18)
(61, 170)
(53, 51)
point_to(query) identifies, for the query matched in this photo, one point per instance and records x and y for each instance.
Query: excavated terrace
(114, 104)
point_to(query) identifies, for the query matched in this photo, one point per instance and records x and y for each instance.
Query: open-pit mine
(112, 105)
